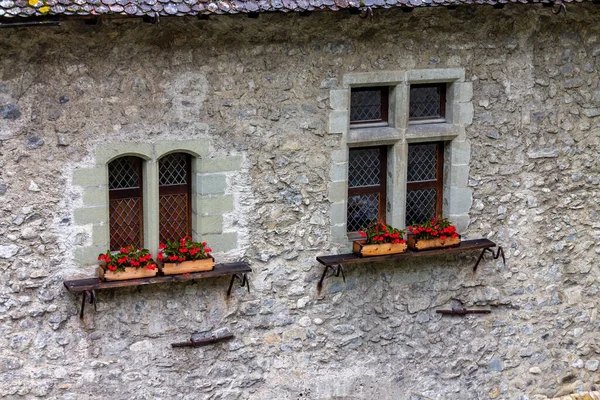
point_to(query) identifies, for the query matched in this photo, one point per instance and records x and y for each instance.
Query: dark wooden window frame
(442, 87)
(385, 94)
(375, 189)
(437, 183)
(165, 190)
(130, 193)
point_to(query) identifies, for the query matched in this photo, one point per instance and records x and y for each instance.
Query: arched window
(174, 191)
(126, 203)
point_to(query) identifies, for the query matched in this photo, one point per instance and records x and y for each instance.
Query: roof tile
(11, 8)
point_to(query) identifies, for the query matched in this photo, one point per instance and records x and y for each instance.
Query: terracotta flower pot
(381, 249)
(129, 273)
(437, 243)
(186, 267)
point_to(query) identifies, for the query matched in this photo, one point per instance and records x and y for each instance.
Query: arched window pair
(126, 199)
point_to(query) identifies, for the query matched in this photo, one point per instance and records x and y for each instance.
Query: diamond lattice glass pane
(425, 102)
(362, 210)
(422, 162)
(365, 105)
(364, 167)
(420, 206)
(123, 173)
(173, 210)
(173, 170)
(125, 223)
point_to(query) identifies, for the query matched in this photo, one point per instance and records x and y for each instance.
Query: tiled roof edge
(163, 8)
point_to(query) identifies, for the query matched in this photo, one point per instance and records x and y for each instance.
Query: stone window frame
(457, 196)
(209, 198)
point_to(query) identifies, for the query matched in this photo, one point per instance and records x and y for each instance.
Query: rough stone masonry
(257, 89)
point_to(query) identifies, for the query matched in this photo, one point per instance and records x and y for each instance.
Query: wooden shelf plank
(88, 284)
(351, 258)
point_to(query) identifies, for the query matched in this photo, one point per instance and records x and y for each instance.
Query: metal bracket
(499, 252)
(244, 282)
(336, 269)
(91, 297)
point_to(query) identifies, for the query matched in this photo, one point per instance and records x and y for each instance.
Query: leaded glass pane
(123, 173)
(364, 167)
(173, 211)
(422, 162)
(362, 210)
(125, 223)
(420, 206)
(365, 105)
(425, 102)
(173, 170)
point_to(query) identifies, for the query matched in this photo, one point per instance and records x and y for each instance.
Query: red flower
(362, 233)
(160, 256)
(151, 266)
(124, 250)
(112, 267)
(162, 246)
(173, 258)
(207, 250)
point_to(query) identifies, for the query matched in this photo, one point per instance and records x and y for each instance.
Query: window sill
(372, 136)
(431, 132)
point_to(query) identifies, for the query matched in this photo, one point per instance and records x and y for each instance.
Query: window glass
(366, 187)
(125, 202)
(368, 105)
(424, 182)
(427, 102)
(174, 176)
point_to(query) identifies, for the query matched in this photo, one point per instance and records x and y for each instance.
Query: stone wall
(258, 91)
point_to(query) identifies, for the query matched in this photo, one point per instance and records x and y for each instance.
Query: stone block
(374, 136)
(198, 148)
(339, 99)
(214, 205)
(459, 200)
(209, 165)
(376, 78)
(459, 175)
(400, 99)
(110, 151)
(337, 191)
(339, 213)
(90, 176)
(339, 172)
(461, 92)
(101, 235)
(95, 196)
(435, 75)
(339, 156)
(461, 113)
(221, 242)
(90, 215)
(338, 234)
(210, 224)
(338, 121)
(88, 255)
(211, 183)
(460, 151)
(461, 221)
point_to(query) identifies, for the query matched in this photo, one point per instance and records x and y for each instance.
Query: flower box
(362, 249)
(130, 262)
(436, 243)
(186, 267)
(129, 273)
